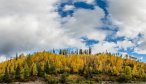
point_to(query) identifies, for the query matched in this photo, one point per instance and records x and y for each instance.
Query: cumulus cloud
(30, 25)
(27, 25)
(129, 16)
(125, 44)
(105, 46)
(84, 23)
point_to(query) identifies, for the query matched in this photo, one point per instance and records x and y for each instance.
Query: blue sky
(112, 25)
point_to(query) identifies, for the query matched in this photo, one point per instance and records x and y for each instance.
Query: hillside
(71, 68)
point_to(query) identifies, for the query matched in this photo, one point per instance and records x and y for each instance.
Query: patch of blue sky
(77, 5)
(103, 5)
(89, 42)
(137, 38)
(141, 57)
(84, 5)
(111, 38)
(61, 11)
(112, 28)
(127, 50)
(130, 52)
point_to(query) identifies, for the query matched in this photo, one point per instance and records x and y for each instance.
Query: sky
(116, 26)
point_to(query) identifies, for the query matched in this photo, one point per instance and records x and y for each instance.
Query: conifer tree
(77, 52)
(53, 51)
(80, 51)
(16, 56)
(6, 77)
(90, 50)
(46, 69)
(40, 72)
(60, 51)
(17, 72)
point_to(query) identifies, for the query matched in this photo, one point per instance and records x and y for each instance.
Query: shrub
(144, 78)
(124, 78)
(63, 78)
(51, 80)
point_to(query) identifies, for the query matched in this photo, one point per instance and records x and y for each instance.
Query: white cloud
(68, 7)
(125, 44)
(87, 1)
(84, 23)
(2, 58)
(112, 47)
(129, 15)
(97, 35)
(141, 58)
(104, 46)
(28, 25)
(90, 1)
(141, 48)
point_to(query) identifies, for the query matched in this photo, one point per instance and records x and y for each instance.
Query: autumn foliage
(61, 68)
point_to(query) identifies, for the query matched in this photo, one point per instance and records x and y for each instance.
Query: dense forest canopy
(72, 67)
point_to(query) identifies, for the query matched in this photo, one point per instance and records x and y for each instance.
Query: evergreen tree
(81, 51)
(60, 51)
(53, 51)
(90, 50)
(86, 52)
(16, 56)
(40, 72)
(18, 73)
(46, 69)
(77, 52)
(6, 77)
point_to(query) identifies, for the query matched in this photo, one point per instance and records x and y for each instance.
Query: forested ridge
(74, 67)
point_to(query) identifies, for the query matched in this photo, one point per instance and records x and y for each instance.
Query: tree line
(77, 51)
(75, 67)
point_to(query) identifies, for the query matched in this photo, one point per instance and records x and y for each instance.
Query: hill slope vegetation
(73, 68)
